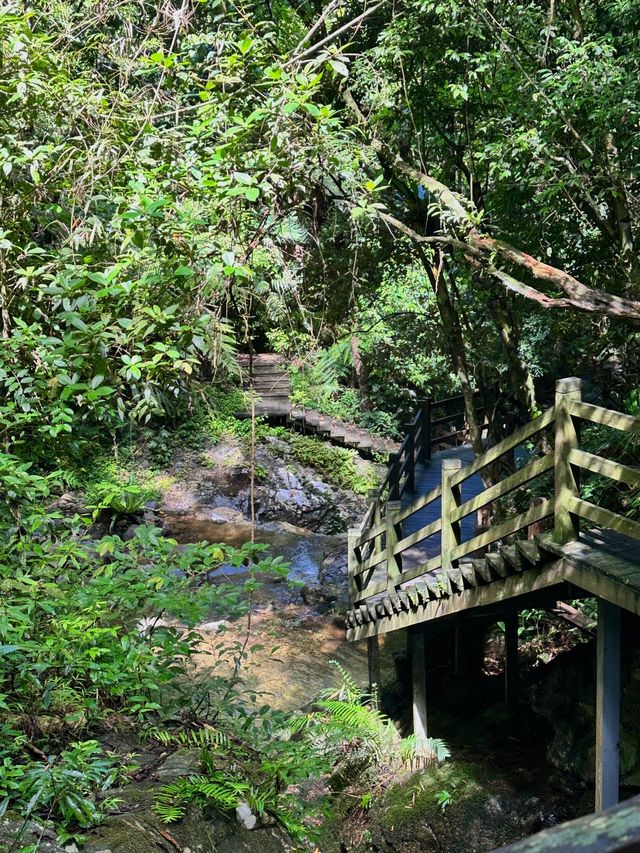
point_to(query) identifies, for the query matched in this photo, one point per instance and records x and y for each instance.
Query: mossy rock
(139, 830)
(485, 812)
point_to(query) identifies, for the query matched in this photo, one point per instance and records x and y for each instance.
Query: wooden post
(352, 563)
(373, 659)
(375, 519)
(607, 705)
(511, 674)
(566, 524)
(450, 536)
(425, 443)
(394, 476)
(410, 483)
(417, 656)
(394, 563)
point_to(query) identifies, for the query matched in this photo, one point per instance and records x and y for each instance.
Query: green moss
(416, 799)
(337, 465)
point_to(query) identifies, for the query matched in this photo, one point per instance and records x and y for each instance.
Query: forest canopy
(177, 180)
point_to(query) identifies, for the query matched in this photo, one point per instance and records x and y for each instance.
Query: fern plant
(345, 724)
(218, 790)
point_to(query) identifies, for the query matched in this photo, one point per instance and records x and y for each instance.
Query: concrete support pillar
(511, 673)
(607, 706)
(373, 658)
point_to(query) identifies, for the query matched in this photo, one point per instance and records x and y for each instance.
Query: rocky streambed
(497, 787)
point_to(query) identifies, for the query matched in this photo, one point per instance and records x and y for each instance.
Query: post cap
(570, 383)
(451, 464)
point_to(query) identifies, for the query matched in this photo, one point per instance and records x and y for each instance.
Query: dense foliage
(403, 199)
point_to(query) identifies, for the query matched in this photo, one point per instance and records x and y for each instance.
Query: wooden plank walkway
(268, 374)
(603, 563)
(427, 477)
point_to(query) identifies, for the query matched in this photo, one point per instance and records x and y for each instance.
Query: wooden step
(468, 573)
(529, 553)
(497, 564)
(512, 555)
(270, 383)
(483, 570)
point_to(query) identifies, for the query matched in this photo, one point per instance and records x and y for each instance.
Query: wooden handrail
(605, 417)
(379, 541)
(509, 443)
(367, 551)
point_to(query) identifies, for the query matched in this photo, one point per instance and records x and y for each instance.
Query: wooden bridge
(418, 561)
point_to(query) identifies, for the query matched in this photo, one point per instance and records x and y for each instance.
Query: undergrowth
(338, 465)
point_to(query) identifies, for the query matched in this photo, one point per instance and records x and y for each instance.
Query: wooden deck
(427, 478)
(421, 558)
(600, 563)
(416, 562)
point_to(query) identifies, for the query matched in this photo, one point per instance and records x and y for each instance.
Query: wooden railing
(376, 547)
(422, 434)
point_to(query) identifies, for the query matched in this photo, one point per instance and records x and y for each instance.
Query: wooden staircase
(267, 376)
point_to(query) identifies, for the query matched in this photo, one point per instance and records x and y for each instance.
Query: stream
(306, 637)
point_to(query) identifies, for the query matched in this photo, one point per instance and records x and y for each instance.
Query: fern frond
(219, 791)
(356, 719)
(423, 752)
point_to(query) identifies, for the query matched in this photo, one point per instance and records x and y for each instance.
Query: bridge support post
(511, 672)
(567, 481)
(450, 536)
(373, 659)
(607, 706)
(417, 655)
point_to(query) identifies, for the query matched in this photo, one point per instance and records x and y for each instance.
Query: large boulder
(566, 698)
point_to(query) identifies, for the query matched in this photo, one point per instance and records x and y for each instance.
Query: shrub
(337, 464)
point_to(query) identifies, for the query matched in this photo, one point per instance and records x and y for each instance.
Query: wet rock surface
(284, 490)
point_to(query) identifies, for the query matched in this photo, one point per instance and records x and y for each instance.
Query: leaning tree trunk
(454, 341)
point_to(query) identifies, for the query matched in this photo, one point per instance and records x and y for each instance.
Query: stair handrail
(567, 507)
(415, 448)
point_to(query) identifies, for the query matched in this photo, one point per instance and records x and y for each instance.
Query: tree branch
(457, 215)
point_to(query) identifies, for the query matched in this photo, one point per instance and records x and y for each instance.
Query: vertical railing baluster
(424, 451)
(352, 564)
(567, 479)
(376, 518)
(394, 562)
(410, 455)
(394, 477)
(450, 535)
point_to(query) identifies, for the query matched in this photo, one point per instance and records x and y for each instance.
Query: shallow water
(293, 643)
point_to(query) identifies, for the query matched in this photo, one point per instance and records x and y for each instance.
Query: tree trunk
(361, 373)
(522, 385)
(454, 341)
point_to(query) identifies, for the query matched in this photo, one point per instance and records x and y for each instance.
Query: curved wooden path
(267, 375)
(417, 562)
